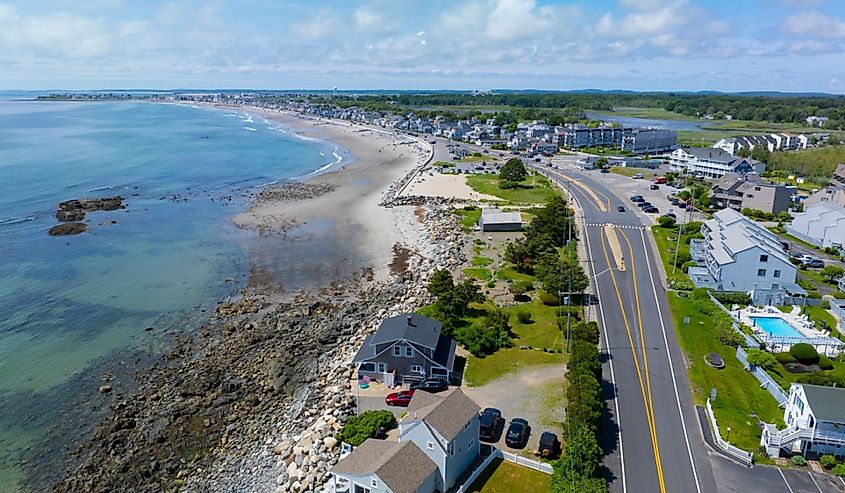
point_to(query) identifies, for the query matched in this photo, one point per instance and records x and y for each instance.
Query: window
(397, 350)
(761, 272)
(417, 369)
(409, 351)
(764, 258)
(429, 445)
(776, 273)
(361, 489)
(367, 367)
(757, 188)
(374, 483)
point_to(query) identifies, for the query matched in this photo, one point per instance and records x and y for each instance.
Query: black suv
(490, 420)
(432, 385)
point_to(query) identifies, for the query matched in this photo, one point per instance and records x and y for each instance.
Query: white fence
(765, 380)
(526, 462)
(749, 340)
(478, 470)
(737, 453)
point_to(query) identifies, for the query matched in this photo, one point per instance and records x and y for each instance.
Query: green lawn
(505, 477)
(510, 274)
(739, 395)
(533, 190)
(479, 273)
(541, 331)
(469, 217)
(482, 370)
(629, 172)
(481, 261)
(666, 239)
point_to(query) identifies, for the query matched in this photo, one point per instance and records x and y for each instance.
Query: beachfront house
(822, 225)
(445, 427)
(736, 254)
(495, 220)
(438, 441)
(710, 162)
(404, 349)
(815, 423)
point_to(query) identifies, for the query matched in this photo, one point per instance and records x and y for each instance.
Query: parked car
(490, 420)
(518, 432)
(651, 210)
(637, 176)
(682, 205)
(671, 214)
(637, 198)
(620, 209)
(812, 262)
(549, 445)
(432, 385)
(401, 399)
(604, 170)
(643, 205)
(674, 201)
(654, 186)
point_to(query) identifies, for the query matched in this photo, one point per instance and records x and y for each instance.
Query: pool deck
(800, 323)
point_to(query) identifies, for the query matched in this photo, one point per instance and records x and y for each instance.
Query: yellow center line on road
(589, 191)
(646, 400)
(642, 340)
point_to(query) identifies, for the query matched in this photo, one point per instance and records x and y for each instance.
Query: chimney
(410, 321)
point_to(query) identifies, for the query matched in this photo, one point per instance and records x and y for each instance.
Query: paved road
(653, 440)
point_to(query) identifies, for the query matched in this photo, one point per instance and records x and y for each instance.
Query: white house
(739, 255)
(438, 441)
(822, 225)
(815, 423)
(711, 162)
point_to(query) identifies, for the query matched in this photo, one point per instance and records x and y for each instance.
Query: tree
(761, 153)
(489, 336)
(513, 171)
(364, 426)
(666, 221)
(558, 275)
(763, 359)
(441, 282)
(832, 272)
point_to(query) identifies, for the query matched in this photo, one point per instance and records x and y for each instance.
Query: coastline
(250, 372)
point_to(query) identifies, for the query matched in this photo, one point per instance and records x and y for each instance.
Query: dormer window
(397, 350)
(409, 351)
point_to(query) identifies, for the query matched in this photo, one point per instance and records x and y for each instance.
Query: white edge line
(785, 481)
(671, 366)
(595, 283)
(814, 482)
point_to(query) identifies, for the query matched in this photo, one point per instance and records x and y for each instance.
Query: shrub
(839, 470)
(687, 265)
(827, 461)
(825, 363)
(732, 297)
(682, 285)
(799, 461)
(666, 221)
(839, 295)
(728, 337)
(763, 359)
(682, 257)
(814, 295)
(804, 353)
(524, 316)
(364, 426)
(784, 358)
(549, 299)
(520, 287)
(825, 305)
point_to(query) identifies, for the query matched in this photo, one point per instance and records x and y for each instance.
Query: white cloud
(367, 20)
(56, 34)
(321, 24)
(815, 25)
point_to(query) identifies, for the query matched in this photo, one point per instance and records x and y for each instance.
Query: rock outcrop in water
(68, 229)
(74, 210)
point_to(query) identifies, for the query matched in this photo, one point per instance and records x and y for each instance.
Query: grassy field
(629, 172)
(666, 240)
(482, 370)
(479, 273)
(478, 159)
(533, 190)
(469, 217)
(541, 331)
(505, 477)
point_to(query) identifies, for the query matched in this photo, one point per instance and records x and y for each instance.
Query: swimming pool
(776, 327)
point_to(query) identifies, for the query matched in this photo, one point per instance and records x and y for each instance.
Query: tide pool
(70, 304)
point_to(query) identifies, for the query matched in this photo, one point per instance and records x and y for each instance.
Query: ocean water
(72, 306)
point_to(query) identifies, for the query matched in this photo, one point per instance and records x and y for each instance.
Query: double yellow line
(642, 376)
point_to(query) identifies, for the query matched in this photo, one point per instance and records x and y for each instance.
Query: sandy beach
(444, 185)
(346, 225)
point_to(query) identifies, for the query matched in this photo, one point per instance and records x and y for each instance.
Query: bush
(839, 470)
(519, 288)
(732, 297)
(549, 299)
(804, 353)
(682, 285)
(687, 265)
(825, 305)
(682, 257)
(827, 461)
(666, 221)
(728, 337)
(523, 316)
(839, 295)
(364, 426)
(799, 461)
(825, 363)
(784, 358)
(763, 359)
(814, 295)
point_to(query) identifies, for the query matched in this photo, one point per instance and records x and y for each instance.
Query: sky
(725, 45)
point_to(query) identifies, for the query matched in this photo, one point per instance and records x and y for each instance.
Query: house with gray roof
(815, 423)
(741, 191)
(404, 349)
(711, 162)
(496, 220)
(739, 255)
(438, 441)
(822, 225)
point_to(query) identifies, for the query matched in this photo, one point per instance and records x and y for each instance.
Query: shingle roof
(827, 403)
(421, 330)
(403, 467)
(448, 413)
(496, 216)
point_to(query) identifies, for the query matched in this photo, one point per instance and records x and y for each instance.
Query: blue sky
(787, 45)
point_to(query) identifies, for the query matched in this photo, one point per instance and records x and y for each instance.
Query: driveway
(534, 393)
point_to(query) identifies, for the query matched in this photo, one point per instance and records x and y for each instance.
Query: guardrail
(737, 453)
(765, 380)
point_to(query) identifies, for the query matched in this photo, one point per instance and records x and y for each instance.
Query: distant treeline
(571, 106)
(817, 164)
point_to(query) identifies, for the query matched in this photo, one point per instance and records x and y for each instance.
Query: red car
(399, 398)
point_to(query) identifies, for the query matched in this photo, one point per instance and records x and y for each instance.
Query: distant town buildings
(748, 191)
(771, 142)
(817, 121)
(710, 162)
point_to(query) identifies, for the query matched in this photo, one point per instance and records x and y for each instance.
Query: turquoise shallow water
(776, 327)
(68, 304)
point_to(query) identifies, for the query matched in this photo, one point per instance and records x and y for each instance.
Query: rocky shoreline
(71, 213)
(252, 401)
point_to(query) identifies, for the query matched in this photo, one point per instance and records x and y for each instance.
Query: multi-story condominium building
(739, 192)
(834, 192)
(649, 140)
(710, 162)
(772, 142)
(815, 423)
(822, 225)
(578, 136)
(739, 255)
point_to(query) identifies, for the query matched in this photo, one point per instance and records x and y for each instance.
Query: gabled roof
(496, 216)
(448, 413)
(411, 327)
(827, 403)
(403, 467)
